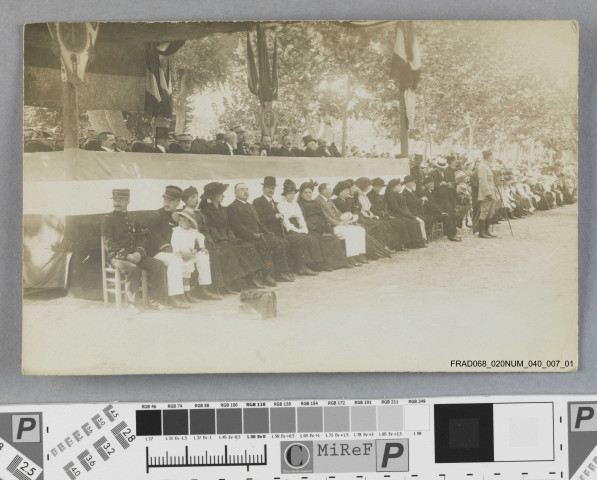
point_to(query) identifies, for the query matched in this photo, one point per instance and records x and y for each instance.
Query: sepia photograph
(300, 196)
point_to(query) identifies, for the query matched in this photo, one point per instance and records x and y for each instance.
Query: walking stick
(507, 218)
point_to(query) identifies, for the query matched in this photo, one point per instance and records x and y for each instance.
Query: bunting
(158, 81)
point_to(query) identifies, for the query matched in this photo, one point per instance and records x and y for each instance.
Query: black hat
(363, 183)
(173, 192)
(311, 184)
(428, 179)
(289, 186)
(486, 153)
(214, 188)
(378, 182)
(269, 182)
(408, 179)
(308, 139)
(342, 185)
(121, 193)
(162, 132)
(188, 192)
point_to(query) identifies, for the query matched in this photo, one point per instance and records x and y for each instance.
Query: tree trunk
(344, 128)
(180, 107)
(425, 128)
(470, 138)
(108, 121)
(403, 126)
(70, 115)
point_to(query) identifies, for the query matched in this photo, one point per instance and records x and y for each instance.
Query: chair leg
(117, 289)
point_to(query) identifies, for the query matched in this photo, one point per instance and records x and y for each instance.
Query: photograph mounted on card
(309, 196)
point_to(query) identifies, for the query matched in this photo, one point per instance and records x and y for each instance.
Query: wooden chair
(437, 230)
(114, 283)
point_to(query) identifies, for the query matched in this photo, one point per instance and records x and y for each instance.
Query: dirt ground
(512, 298)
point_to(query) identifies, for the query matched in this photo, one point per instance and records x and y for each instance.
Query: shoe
(307, 271)
(175, 302)
(353, 262)
(455, 239)
(228, 290)
(205, 294)
(285, 277)
(270, 282)
(189, 298)
(326, 267)
(487, 233)
(389, 250)
(363, 259)
(255, 281)
(482, 229)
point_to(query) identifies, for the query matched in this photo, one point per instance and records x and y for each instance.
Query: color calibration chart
(473, 438)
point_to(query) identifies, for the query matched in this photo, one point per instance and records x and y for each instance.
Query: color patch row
(223, 421)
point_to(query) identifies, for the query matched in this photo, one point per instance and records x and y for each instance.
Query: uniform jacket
(122, 236)
(486, 185)
(244, 220)
(267, 214)
(160, 232)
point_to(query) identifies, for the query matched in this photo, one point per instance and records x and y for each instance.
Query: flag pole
(403, 126)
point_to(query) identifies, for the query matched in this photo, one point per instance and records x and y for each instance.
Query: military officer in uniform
(486, 195)
(124, 242)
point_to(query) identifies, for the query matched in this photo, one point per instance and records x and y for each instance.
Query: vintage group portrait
(300, 196)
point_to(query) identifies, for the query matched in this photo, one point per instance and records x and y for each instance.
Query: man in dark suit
(125, 249)
(228, 146)
(182, 144)
(246, 224)
(242, 147)
(162, 140)
(286, 149)
(310, 146)
(434, 212)
(270, 216)
(322, 148)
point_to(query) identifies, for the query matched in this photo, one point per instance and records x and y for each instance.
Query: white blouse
(292, 210)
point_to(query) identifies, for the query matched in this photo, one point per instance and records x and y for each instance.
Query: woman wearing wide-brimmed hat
(236, 253)
(332, 248)
(297, 234)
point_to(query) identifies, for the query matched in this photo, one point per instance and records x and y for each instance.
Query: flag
(252, 77)
(158, 81)
(406, 65)
(262, 80)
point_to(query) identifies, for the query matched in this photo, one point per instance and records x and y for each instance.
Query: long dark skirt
(414, 232)
(375, 228)
(245, 254)
(332, 250)
(398, 233)
(303, 249)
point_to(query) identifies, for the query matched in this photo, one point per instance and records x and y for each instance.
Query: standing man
(246, 224)
(310, 146)
(228, 146)
(286, 149)
(266, 146)
(242, 147)
(123, 243)
(160, 235)
(107, 141)
(486, 196)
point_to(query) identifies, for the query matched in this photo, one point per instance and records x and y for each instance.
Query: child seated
(189, 244)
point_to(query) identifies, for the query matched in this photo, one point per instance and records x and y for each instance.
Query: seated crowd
(196, 248)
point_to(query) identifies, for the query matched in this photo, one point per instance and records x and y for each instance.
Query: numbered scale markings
(472, 438)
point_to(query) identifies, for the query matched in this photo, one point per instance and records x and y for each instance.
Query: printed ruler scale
(473, 438)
